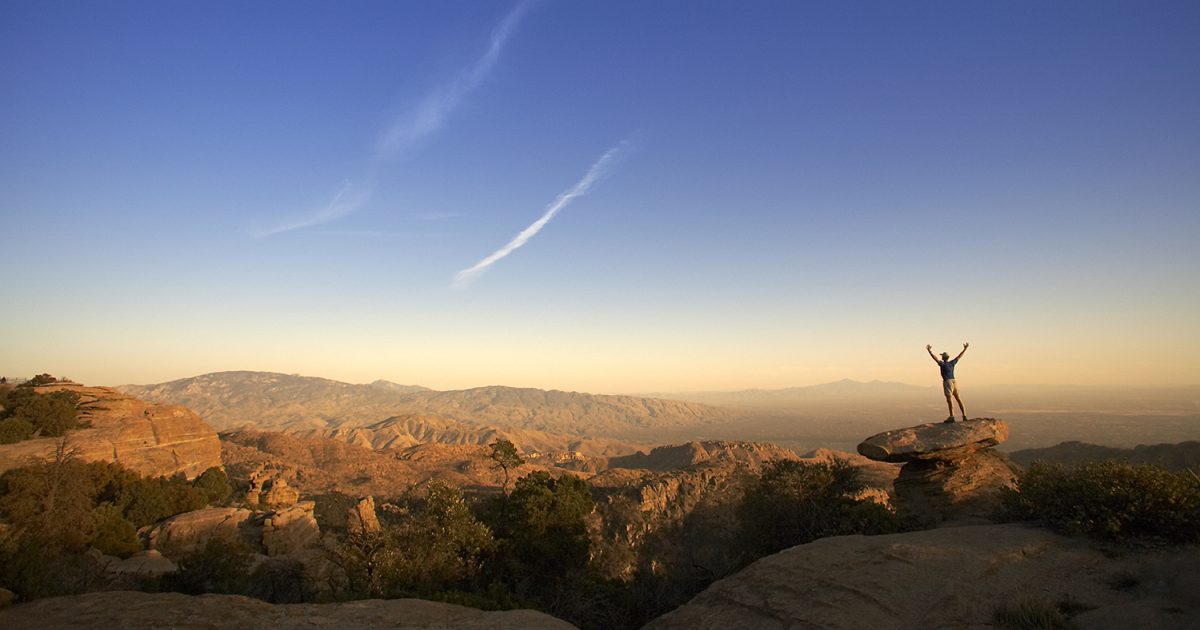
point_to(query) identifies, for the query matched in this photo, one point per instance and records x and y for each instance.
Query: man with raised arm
(946, 364)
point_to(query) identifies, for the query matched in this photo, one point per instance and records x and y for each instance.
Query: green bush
(798, 502)
(222, 566)
(214, 485)
(13, 430)
(112, 534)
(430, 544)
(1109, 500)
(48, 415)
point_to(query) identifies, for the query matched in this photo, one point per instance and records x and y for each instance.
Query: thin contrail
(465, 277)
(424, 120)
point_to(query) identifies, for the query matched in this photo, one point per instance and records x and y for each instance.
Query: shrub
(1030, 615)
(430, 544)
(15, 430)
(1108, 500)
(222, 566)
(214, 485)
(798, 502)
(113, 535)
(48, 415)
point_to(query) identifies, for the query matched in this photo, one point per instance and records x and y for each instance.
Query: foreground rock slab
(948, 578)
(145, 611)
(935, 441)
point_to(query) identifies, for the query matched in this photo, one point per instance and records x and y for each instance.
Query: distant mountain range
(266, 400)
(845, 390)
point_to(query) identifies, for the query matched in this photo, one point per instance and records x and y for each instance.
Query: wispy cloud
(425, 119)
(431, 113)
(598, 170)
(346, 201)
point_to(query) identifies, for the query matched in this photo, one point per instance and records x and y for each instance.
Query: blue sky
(811, 191)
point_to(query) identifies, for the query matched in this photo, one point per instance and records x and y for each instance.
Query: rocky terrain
(948, 578)
(315, 465)
(147, 438)
(265, 400)
(401, 432)
(146, 611)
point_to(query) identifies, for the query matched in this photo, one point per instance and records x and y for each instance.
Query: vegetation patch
(26, 414)
(1109, 500)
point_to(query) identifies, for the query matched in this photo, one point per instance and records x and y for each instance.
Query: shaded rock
(150, 611)
(149, 562)
(147, 438)
(944, 578)
(290, 530)
(362, 518)
(187, 533)
(935, 490)
(7, 597)
(935, 441)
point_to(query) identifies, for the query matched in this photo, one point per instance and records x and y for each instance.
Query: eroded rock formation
(147, 438)
(951, 473)
(362, 518)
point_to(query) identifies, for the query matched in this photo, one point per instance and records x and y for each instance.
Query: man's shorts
(949, 387)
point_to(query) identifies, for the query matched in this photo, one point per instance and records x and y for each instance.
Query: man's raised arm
(963, 352)
(929, 349)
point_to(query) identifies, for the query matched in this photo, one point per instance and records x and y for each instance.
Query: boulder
(147, 438)
(935, 441)
(150, 562)
(187, 533)
(930, 491)
(290, 530)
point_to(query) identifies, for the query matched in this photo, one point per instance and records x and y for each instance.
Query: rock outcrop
(150, 611)
(147, 438)
(290, 530)
(362, 518)
(187, 533)
(281, 532)
(951, 472)
(948, 578)
(943, 440)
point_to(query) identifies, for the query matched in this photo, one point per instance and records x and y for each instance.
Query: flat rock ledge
(949, 441)
(131, 610)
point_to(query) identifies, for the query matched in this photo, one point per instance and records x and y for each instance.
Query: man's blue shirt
(947, 367)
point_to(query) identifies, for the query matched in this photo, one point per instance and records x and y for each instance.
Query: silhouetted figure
(949, 387)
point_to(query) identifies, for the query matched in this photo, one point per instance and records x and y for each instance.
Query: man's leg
(960, 405)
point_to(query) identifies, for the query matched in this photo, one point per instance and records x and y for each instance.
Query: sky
(601, 196)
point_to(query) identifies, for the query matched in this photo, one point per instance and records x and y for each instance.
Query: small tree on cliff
(504, 454)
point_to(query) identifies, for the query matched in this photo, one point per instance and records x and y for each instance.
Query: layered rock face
(950, 473)
(151, 611)
(147, 438)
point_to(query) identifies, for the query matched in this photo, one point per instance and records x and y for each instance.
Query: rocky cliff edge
(147, 438)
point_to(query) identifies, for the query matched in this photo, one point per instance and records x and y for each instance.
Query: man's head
(945, 356)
